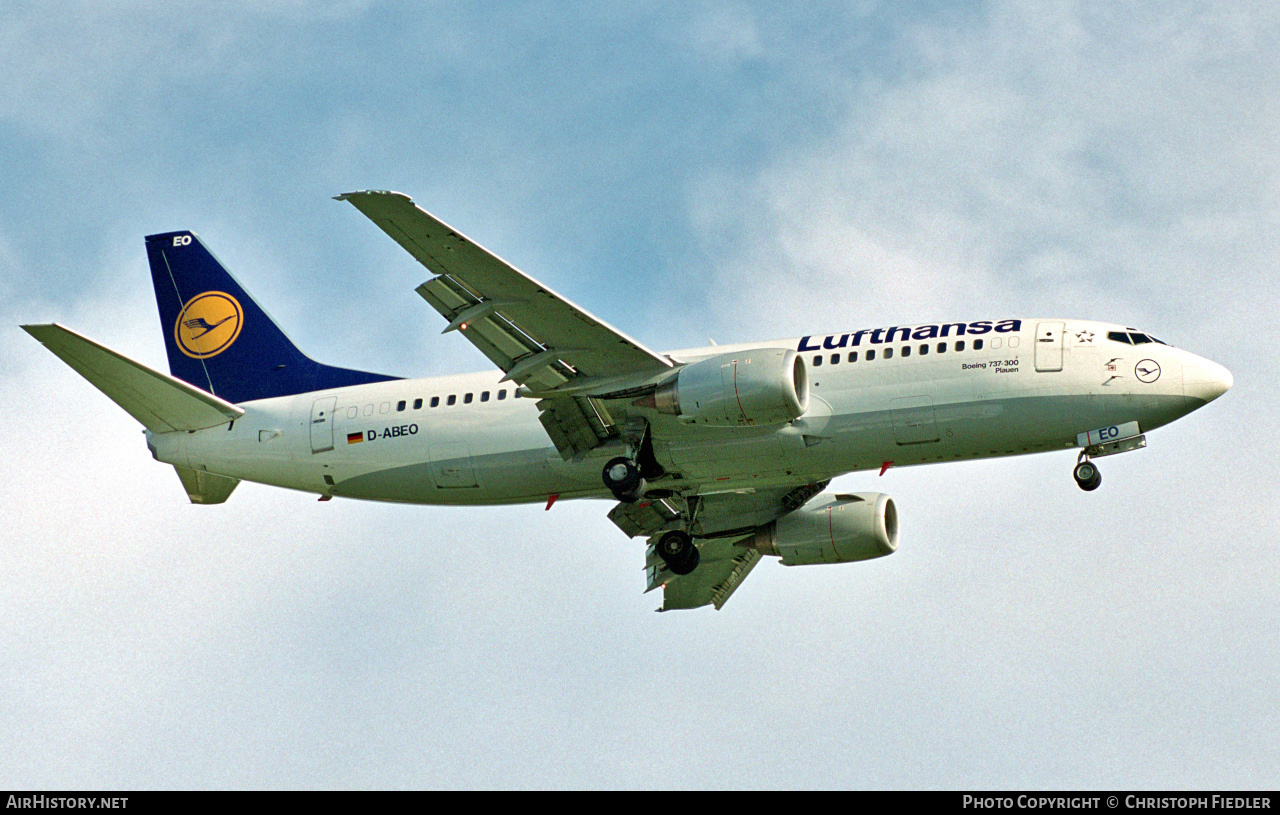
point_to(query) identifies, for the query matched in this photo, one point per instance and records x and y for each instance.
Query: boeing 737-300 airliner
(717, 455)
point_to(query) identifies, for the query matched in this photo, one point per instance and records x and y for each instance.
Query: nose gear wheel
(1086, 474)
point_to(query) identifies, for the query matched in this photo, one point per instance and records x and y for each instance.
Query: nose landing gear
(1086, 474)
(1105, 441)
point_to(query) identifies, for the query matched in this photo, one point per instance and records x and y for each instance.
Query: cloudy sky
(725, 170)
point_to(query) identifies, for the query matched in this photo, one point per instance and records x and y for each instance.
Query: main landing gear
(622, 477)
(1086, 474)
(677, 550)
(625, 476)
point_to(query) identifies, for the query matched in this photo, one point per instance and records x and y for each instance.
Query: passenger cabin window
(435, 401)
(502, 394)
(960, 345)
(817, 361)
(484, 396)
(924, 349)
(906, 350)
(466, 399)
(401, 405)
(888, 353)
(942, 348)
(977, 345)
(417, 404)
(835, 359)
(853, 356)
(452, 400)
(871, 354)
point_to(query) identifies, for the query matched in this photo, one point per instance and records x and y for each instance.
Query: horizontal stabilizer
(161, 402)
(204, 487)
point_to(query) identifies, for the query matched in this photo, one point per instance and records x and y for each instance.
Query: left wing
(573, 362)
(553, 348)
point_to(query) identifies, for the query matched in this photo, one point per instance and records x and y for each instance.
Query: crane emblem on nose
(1148, 370)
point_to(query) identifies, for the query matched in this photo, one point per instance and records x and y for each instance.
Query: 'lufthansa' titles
(881, 336)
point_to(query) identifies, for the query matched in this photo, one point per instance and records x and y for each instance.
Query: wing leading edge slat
(536, 337)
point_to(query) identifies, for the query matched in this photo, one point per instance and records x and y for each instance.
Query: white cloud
(725, 31)
(1051, 160)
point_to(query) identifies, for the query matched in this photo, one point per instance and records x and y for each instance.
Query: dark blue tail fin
(219, 339)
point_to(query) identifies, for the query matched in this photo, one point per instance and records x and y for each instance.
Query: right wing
(555, 349)
(721, 521)
(722, 569)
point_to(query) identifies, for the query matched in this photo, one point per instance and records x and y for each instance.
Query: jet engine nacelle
(763, 386)
(831, 529)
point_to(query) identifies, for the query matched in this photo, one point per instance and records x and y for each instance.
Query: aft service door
(322, 424)
(1049, 347)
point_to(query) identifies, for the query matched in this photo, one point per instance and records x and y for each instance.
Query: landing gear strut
(1086, 474)
(625, 476)
(622, 478)
(677, 550)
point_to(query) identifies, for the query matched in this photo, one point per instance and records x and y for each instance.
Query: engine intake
(762, 386)
(831, 529)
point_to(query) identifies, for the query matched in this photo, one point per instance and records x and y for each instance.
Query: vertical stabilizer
(219, 339)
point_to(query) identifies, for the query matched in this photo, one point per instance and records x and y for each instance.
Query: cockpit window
(1132, 337)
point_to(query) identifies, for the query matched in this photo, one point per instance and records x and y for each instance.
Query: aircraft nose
(1205, 380)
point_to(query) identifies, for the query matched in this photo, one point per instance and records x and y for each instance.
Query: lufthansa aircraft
(716, 455)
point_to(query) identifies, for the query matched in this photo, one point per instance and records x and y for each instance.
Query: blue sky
(726, 170)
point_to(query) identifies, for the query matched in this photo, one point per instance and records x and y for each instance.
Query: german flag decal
(355, 438)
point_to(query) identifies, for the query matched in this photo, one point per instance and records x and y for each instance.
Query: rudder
(219, 339)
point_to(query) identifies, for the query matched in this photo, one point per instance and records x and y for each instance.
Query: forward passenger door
(1049, 346)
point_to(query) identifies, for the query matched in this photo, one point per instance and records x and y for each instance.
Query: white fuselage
(469, 439)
